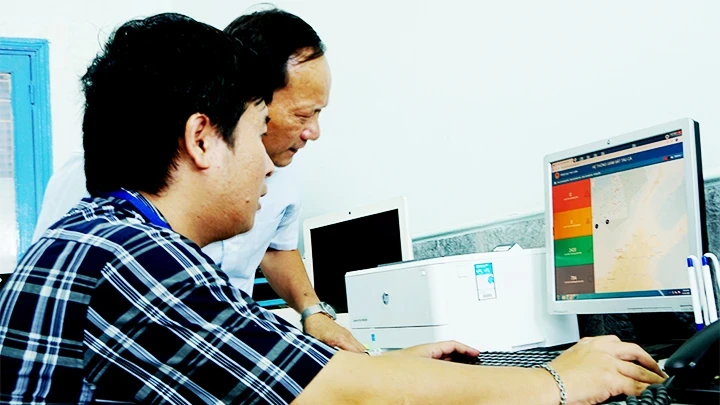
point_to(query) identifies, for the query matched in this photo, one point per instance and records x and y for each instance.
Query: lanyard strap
(145, 208)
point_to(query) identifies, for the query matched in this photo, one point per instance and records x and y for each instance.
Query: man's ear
(200, 139)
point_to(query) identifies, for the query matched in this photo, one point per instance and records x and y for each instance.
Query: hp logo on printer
(386, 298)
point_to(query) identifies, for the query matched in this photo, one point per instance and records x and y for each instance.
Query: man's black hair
(277, 36)
(140, 90)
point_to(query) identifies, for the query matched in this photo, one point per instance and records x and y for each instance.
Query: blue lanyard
(142, 206)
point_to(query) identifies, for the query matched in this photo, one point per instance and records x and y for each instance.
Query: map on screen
(620, 221)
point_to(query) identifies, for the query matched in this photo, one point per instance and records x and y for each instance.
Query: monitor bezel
(696, 215)
(398, 203)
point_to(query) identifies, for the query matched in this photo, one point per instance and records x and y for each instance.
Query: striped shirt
(109, 305)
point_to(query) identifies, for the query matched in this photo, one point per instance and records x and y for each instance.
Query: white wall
(452, 104)
(75, 29)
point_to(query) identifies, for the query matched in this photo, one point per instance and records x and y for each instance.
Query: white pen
(702, 298)
(709, 291)
(699, 324)
(715, 265)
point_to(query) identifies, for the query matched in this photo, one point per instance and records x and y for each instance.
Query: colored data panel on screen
(574, 280)
(574, 251)
(571, 196)
(572, 224)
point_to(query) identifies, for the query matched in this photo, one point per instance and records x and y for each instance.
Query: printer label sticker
(485, 281)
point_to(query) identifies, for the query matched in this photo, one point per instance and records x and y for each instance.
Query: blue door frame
(27, 60)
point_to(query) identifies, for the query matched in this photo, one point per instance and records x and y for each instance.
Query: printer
(491, 301)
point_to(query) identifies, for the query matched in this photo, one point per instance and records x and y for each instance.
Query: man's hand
(321, 327)
(596, 369)
(437, 351)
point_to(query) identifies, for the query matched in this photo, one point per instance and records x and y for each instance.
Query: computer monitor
(622, 216)
(351, 240)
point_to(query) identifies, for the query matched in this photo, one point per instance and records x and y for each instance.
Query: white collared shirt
(276, 224)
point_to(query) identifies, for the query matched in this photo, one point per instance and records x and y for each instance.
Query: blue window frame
(27, 62)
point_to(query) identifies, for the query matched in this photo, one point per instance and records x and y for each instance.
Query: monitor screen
(620, 221)
(356, 244)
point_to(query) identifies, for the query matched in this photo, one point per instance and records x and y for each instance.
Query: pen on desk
(709, 291)
(694, 294)
(715, 265)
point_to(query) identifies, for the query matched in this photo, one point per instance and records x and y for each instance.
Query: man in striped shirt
(117, 301)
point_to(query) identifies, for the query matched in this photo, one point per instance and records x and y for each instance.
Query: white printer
(491, 301)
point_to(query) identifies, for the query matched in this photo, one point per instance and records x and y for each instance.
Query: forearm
(355, 378)
(286, 274)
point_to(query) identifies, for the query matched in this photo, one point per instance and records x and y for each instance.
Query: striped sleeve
(165, 325)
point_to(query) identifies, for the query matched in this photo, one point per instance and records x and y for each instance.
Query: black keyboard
(526, 358)
(536, 357)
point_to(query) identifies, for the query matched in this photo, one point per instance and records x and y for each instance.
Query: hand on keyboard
(598, 368)
(602, 367)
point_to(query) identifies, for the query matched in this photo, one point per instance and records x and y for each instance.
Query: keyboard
(526, 358)
(536, 357)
